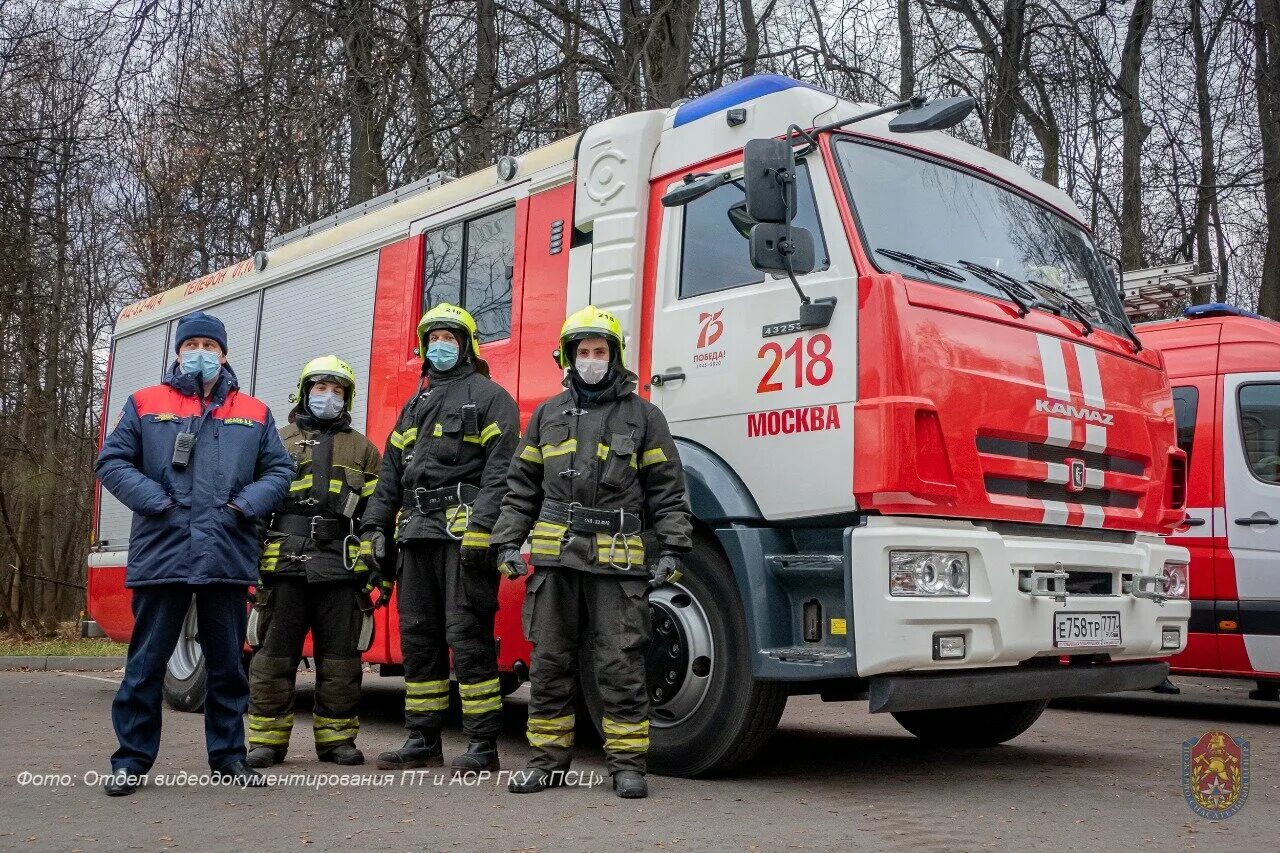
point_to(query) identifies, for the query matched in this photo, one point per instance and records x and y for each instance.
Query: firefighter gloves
(511, 564)
(668, 569)
(377, 550)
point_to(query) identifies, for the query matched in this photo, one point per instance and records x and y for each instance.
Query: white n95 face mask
(592, 370)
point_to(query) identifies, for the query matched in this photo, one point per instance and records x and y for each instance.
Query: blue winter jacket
(196, 524)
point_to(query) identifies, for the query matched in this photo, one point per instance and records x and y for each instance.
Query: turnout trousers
(443, 605)
(563, 610)
(329, 610)
(158, 613)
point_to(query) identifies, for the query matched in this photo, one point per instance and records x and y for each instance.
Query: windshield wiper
(1070, 302)
(1125, 327)
(1010, 286)
(937, 268)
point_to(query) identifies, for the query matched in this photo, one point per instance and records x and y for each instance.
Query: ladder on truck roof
(430, 182)
(1155, 290)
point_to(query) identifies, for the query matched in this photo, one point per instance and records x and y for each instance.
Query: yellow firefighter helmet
(329, 367)
(446, 316)
(590, 322)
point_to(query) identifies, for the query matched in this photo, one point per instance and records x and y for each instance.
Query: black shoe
(345, 754)
(480, 755)
(1267, 691)
(264, 756)
(239, 772)
(531, 780)
(421, 749)
(630, 785)
(121, 783)
(1167, 687)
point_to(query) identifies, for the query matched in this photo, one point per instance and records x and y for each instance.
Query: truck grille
(1034, 470)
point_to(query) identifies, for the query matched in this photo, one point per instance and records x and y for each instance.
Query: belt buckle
(314, 520)
(417, 499)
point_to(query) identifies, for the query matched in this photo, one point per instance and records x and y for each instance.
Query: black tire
(185, 680)
(737, 714)
(979, 725)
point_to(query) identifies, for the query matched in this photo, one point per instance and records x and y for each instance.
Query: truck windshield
(915, 213)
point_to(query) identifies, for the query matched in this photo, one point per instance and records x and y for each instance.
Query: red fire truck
(929, 461)
(1224, 366)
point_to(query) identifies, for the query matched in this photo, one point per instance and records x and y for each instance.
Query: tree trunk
(477, 132)
(1206, 189)
(1135, 133)
(1267, 57)
(669, 41)
(1008, 78)
(751, 37)
(906, 51)
(366, 173)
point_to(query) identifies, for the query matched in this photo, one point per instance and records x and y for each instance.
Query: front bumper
(1002, 625)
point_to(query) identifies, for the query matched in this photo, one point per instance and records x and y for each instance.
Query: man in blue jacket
(199, 463)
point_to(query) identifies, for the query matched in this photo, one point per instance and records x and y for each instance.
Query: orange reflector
(1228, 624)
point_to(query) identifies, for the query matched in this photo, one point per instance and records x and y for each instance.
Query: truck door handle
(664, 378)
(1258, 519)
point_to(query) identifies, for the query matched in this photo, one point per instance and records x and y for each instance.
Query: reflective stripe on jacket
(614, 453)
(462, 429)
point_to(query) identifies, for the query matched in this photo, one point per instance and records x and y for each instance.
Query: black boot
(480, 755)
(240, 773)
(1167, 687)
(121, 783)
(630, 785)
(421, 749)
(345, 754)
(531, 780)
(264, 756)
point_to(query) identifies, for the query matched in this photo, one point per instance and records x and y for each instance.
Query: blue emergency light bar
(1218, 309)
(736, 93)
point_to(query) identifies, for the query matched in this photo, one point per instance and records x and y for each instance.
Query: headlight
(929, 573)
(1175, 580)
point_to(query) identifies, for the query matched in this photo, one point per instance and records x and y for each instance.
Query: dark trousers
(158, 614)
(330, 612)
(564, 609)
(444, 606)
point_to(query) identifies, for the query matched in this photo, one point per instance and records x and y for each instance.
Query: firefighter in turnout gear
(312, 577)
(441, 484)
(598, 483)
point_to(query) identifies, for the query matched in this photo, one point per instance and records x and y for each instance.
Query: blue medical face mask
(442, 355)
(325, 405)
(202, 363)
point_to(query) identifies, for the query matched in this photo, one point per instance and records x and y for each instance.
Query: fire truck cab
(1224, 368)
(929, 463)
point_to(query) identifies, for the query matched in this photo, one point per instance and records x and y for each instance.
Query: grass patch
(76, 647)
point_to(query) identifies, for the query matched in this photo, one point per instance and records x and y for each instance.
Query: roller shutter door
(329, 311)
(240, 316)
(137, 360)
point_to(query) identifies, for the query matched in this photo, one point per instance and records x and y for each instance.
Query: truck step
(802, 654)
(805, 563)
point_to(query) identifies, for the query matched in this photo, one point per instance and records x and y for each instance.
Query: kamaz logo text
(1080, 413)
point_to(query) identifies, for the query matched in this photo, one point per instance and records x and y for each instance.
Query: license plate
(1074, 630)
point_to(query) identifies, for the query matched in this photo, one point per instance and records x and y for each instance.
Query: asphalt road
(1097, 774)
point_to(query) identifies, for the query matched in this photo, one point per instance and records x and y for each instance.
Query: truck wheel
(707, 712)
(184, 676)
(979, 725)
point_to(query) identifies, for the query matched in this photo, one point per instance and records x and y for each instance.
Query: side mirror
(741, 220)
(935, 115)
(692, 188)
(769, 179)
(782, 250)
